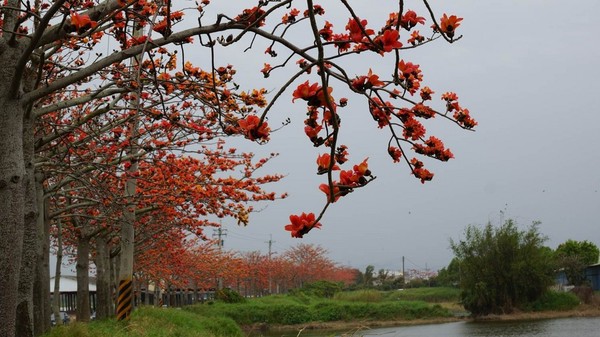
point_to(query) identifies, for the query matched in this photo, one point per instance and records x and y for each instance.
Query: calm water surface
(563, 327)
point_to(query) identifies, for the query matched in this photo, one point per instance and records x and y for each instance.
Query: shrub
(229, 296)
(554, 300)
(323, 289)
(502, 268)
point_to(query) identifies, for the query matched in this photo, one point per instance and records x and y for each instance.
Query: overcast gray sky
(528, 71)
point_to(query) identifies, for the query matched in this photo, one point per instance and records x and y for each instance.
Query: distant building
(593, 275)
(68, 292)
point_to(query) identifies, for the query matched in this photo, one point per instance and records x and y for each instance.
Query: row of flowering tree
(111, 113)
(193, 266)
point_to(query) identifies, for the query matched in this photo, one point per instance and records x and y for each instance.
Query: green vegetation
(301, 308)
(325, 289)
(449, 276)
(554, 301)
(224, 317)
(573, 257)
(221, 318)
(229, 296)
(431, 295)
(502, 268)
(154, 322)
(364, 295)
(382, 280)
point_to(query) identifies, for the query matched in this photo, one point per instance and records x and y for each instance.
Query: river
(560, 327)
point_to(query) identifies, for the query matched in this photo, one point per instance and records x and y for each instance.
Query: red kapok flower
(419, 171)
(266, 69)
(448, 24)
(253, 128)
(326, 32)
(362, 169)
(336, 191)
(395, 153)
(323, 163)
(411, 19)
(312, 132)
(306, 91)
(367, 82)
(251, 16)
(302, 224)
(356, 29)
(389, 40)
(82, 22)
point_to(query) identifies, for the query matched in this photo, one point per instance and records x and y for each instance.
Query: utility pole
(220, 234)
(270, 242)
(403, 275)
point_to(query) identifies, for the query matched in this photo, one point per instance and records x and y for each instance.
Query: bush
(554, 301)
(323, 289)
(229, 296)
(502, 268)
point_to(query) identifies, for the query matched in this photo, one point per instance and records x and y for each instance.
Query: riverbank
(581, 311)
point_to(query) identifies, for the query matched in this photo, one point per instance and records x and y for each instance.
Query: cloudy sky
(527, 70)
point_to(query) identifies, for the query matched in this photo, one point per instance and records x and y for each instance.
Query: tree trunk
(12, 175)
(157, 294)
(83, 278)
(103, 284)
(24, 319)
(125, 290)
(147, 294)
(125, 287)
(41, 287)
(57, 275)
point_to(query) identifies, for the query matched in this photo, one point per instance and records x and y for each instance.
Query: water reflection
(564, 327)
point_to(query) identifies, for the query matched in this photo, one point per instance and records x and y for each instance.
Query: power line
(220, 234)
(270, 242)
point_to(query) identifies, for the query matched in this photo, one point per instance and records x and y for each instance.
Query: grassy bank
(345, 310)
(154, 322)
(303, 309)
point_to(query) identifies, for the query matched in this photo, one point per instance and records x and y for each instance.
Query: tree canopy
(502, 268)
(574, 256)
(585, 250)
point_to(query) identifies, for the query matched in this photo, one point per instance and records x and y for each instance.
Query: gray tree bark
(24, 319)
(57, 274)
(103, 284)
(41, 286)
(12, 194)
(83, 278)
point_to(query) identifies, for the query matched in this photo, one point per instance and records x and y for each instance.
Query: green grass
(358, 305)
(432, 295)
(154, 322)
(224, 319)
(364, 295)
